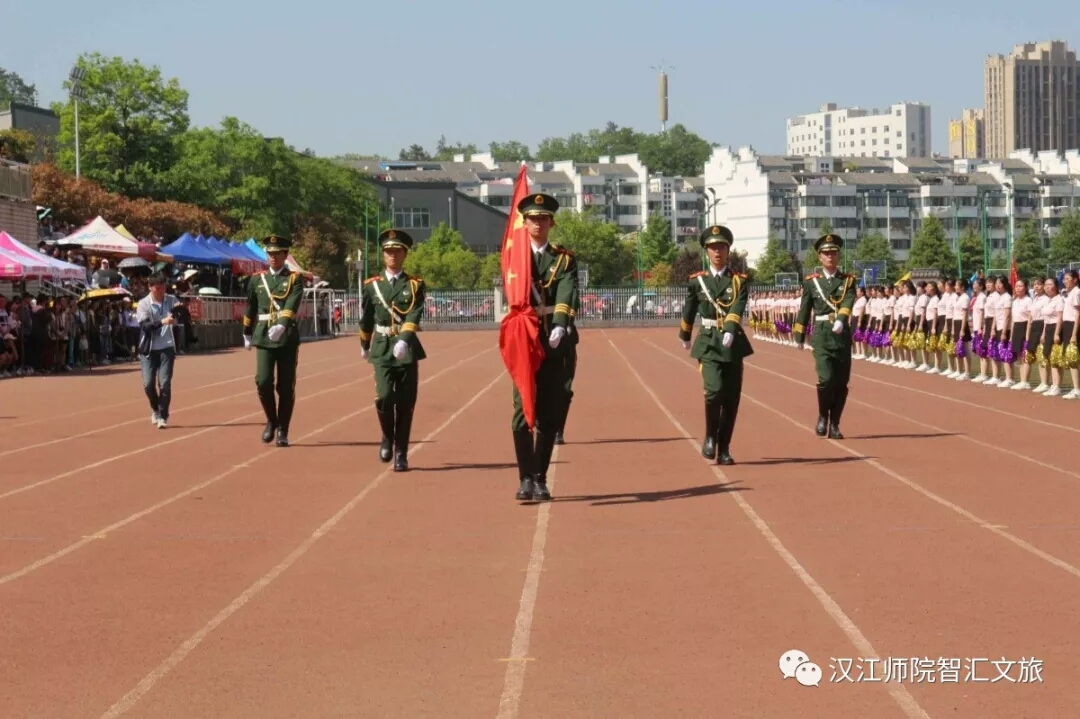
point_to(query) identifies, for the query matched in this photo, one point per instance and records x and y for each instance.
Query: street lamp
(1010, 198)
(77, 75)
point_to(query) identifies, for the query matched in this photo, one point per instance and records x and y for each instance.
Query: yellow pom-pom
(1072, 356)
(1057, 357)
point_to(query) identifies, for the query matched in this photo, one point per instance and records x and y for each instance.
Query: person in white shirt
(979, 336)
(1020, 314)
(946, 340)
(1052, 312)
(933, 329)
(1069, 326)
(921, 328)
(1002, 325)
(961, 333)
(906, 305)
(859, 320)
(1035, 332)
(157, 348)
(889, 324)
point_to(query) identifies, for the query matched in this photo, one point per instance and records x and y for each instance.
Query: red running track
(196, 573)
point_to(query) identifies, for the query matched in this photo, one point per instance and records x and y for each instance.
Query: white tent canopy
(99, 237)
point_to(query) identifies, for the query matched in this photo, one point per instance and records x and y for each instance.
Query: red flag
(519, 334)
(1013, 274)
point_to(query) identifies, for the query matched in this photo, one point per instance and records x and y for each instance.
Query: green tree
(1065, 245)
(490, 269)
(659, 275)
(17, 145)
(930, 249)
(414, 153)
(774, 260)
(444, 152)
(999, 261)
(1028, 252)
(677, 152)
(875, 247)
(654, 242)
(972, 256)
(129, 122)
(597, 243)
(444, 260)
(14, 89)
(512, 151)
(686, 263)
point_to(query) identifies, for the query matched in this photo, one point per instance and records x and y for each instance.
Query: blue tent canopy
(188, 249)
(256, 249)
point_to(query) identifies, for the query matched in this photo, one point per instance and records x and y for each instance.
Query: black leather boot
(523, 449)
(266, 399)
(285, 410)
(386, 424)
(823, 412)
(839, 400)
(712, 412)
(402, 429)
(726, 429)
(545, 446)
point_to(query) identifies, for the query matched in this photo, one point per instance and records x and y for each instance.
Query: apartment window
(874, 141)
(862, 130)
(899, 147)
(886, 129)
(412, 217)
(862, 143)
(899, 133)
(873, 129)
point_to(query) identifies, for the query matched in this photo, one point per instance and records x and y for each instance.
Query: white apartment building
(792, 197)
(902, 130)
(621, 186)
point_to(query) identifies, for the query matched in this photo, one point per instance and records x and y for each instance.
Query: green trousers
(569, 369)
(549, 398)
(284, 360)
(722, 380)
(396, 386)
(833, 370)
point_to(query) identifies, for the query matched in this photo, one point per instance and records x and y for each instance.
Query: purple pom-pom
(976, 344)
(961, 349)
(1005, 353)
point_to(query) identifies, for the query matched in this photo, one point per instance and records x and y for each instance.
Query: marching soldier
(270, 326)
(391, 306)
(827, 300)
(570, 359)
(719, 296)
(551, 296)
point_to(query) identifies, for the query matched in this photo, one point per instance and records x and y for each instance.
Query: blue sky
(374, 77)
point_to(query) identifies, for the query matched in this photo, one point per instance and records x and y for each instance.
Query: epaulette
(697, 274)
(369, 280)
(740, 275)
(562, 250)
(813, 276)
(416, 278)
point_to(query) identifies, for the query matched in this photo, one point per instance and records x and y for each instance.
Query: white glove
(837, 327)
(728, 339)
(685, 344)
(247, 342)
(556, 336)
(275, 332)
(400, 348)
(363, 353)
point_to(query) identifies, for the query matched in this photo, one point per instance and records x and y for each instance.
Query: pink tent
(54, 267)
(14, 268)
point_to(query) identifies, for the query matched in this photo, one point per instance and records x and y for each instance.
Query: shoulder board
(740, 275)
(813, 276)
(562, 250)
(697, 274)
(260, 272)
(414, 278)
(369, 280)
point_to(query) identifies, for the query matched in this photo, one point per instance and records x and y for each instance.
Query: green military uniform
(827, 302)
(391, 308)
(719, 299)
(553, 271)
(569, 358)
(273, 302)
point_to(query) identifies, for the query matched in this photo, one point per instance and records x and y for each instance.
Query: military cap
(717, 234)
(539, 204)
(276, 243)
(829, 242)
(395, 238)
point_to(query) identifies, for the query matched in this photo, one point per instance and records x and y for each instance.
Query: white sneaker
(1021, 386)
(161, 423)
(933, 370)
(922, 368)
(1054, 391)
(992, 381)
(1041, 388)
(979, 379)
(961, 377)
(949, 375)
(155, 418)
(1072, 395)
(1005, 384)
